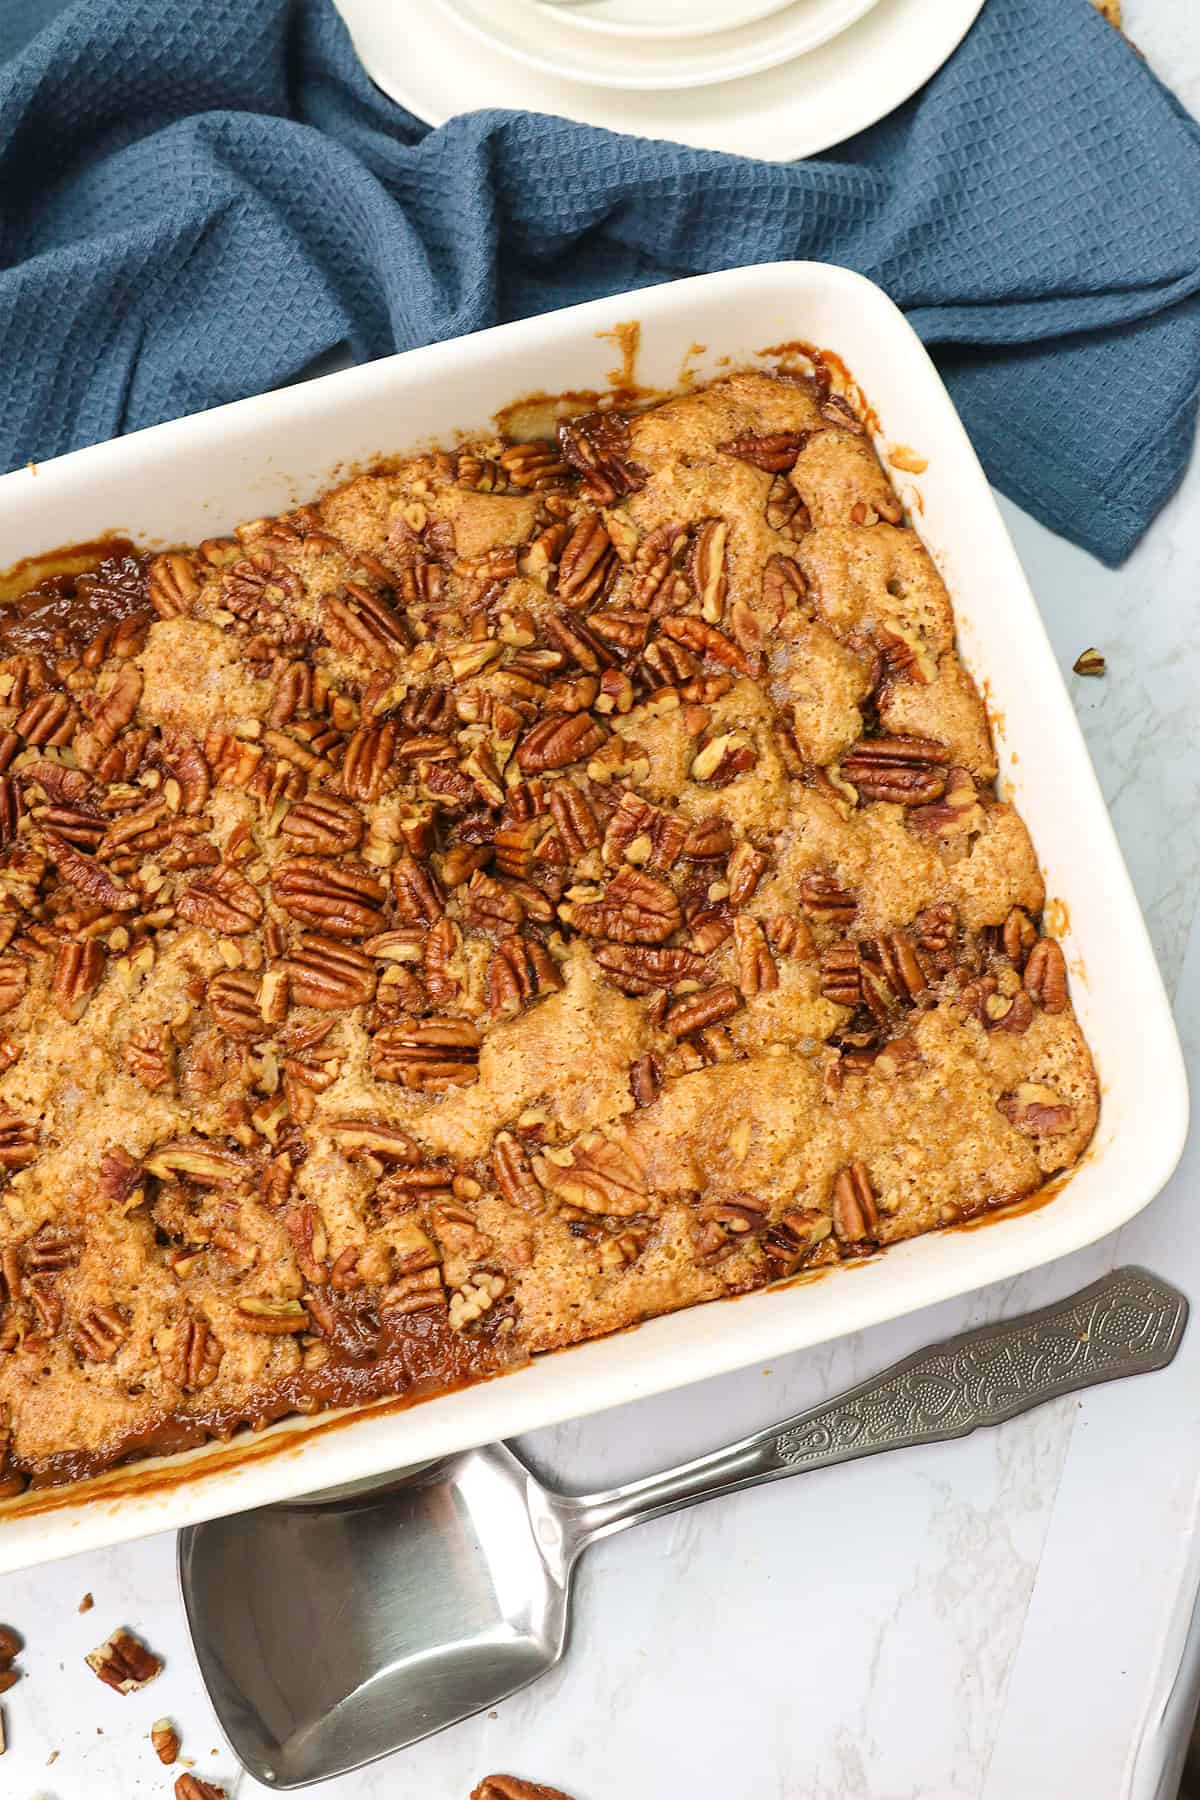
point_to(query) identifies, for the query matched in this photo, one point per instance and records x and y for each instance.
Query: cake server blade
(335, 1630)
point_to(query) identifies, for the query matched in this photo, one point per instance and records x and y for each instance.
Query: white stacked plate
(767, 78)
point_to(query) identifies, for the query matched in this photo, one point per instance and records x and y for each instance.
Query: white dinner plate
(662, 18)
(795, 109)
(554, 45)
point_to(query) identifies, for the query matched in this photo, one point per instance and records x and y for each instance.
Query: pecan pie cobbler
(533, 888)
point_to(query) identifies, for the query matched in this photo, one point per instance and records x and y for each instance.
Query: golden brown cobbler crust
(526, 891)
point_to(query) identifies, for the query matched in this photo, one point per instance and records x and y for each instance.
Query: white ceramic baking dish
(201, 475)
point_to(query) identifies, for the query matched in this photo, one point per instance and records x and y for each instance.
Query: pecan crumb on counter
(190, 1787)
(511, 1787)
(534, 887)
(124, 1663)
(11, 1645)
(165, 1740)
(1090, 662)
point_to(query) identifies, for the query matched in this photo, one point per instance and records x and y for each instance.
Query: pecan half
(113, 714)
(426, 1054)
(190, 1787)
(514, 1173)
(1019, 934)
(1046, 975)
(87, 876)
(784, 510)
(645, 1080)
(908, 771)
(822, 898)
(586, 564)
(328, 974)
(361, 624)
(598, 1175)
(18, 1140)
(171, 584)
(747, 866)
(124, 1663)
(521, 970)
(635, 909)
(756, 970)
(100, 1332)
(165, 1741)
(640, 968)
(339, 899)
(224, 900)
(190, 1353)
(78, 972)
(511, 1787)
(855, 1214)
(774, 451)
(707, 642)
(696, 1012)
(723, 758)
(575, 818)
(841, 975)
(707, 569)
(368, 763)
(322, 825)
(271, 1318)
(556, 742)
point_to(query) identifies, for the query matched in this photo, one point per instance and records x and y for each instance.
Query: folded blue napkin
(200, 197)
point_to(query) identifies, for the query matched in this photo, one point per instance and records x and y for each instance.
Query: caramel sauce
(54, 604)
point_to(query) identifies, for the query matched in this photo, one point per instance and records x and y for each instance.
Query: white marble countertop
(1006, 1616)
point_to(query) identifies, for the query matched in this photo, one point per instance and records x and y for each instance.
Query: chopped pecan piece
(855, 1214)
(774, 451)
(556, 742)
(708, 838)
(476, 1297)
(426, 1054)
(908, 771)
(124, 1663)
(785, 511)
(1037, 1110)
(794, 1237)
(340, 899)
(723, 758)
(224, 900)
(521, 970)
(1046, 975)
(635, 909)
(78, 972)
(1019, 934)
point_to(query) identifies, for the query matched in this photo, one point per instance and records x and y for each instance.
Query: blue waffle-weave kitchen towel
(199, 197)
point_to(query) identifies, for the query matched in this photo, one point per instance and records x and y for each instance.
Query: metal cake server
(331, 1631)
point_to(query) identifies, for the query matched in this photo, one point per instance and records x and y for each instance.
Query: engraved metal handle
(1127, 1323)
